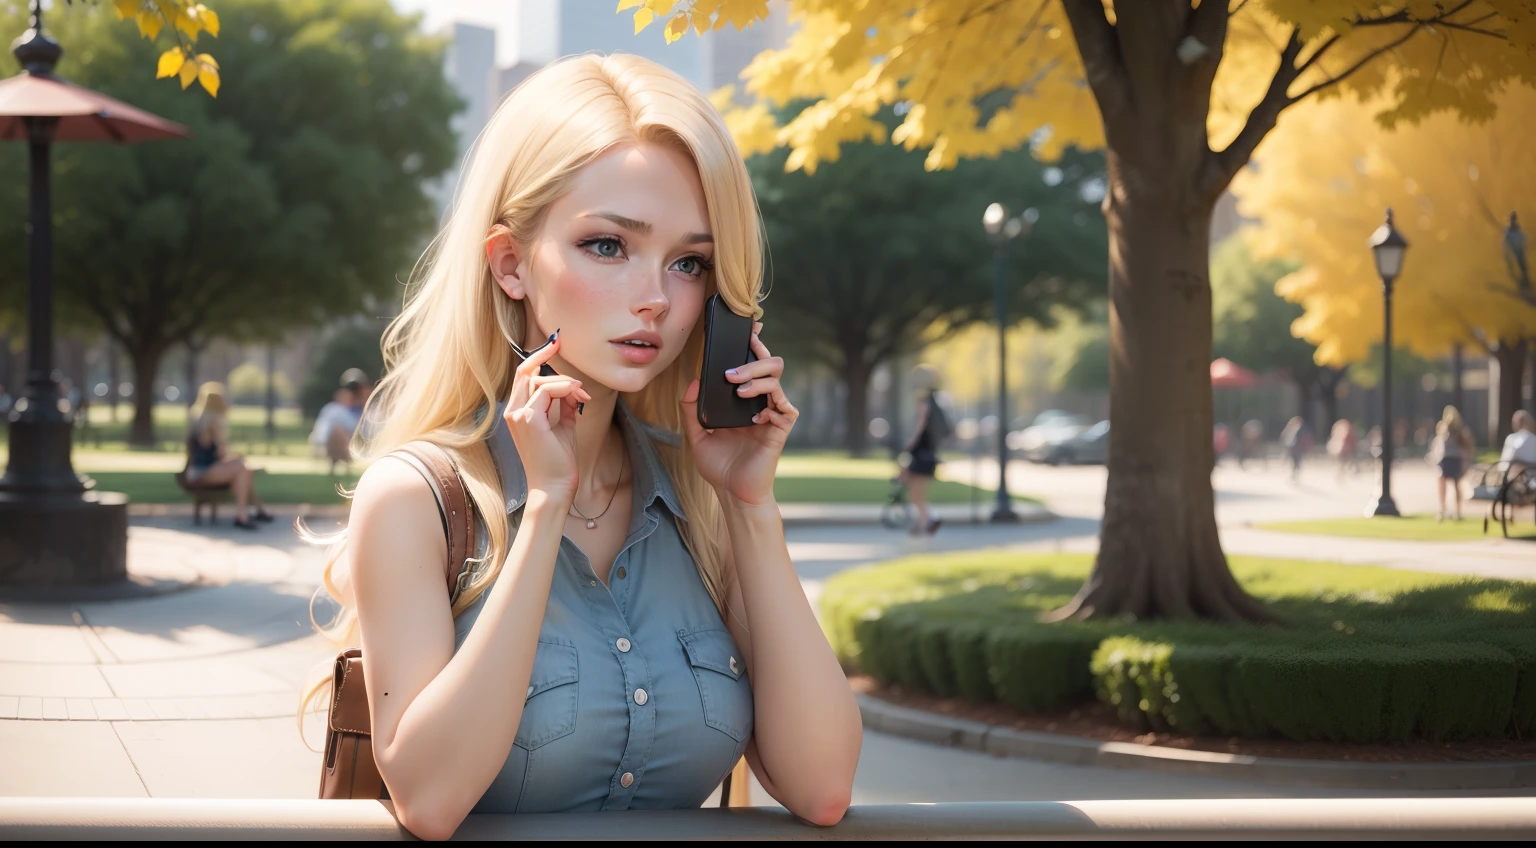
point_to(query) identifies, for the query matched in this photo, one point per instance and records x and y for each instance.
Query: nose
(650, 299)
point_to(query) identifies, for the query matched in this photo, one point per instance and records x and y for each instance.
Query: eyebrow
(645, 229)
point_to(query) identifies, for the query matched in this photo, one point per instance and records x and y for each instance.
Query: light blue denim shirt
(639, 698)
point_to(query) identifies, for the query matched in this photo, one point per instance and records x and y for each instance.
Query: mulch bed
(1098, 721)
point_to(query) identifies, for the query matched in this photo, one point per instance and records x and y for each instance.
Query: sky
(500, 15)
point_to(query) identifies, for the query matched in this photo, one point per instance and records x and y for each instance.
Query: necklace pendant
(591, 524)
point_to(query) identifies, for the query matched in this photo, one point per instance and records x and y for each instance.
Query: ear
(503, 256)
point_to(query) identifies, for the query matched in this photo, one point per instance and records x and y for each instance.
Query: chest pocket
(722, 677)
(550, 709)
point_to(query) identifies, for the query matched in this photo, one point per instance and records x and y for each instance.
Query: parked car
(1089, 447)
(1040, 441)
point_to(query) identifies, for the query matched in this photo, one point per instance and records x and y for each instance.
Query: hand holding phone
(727, 344)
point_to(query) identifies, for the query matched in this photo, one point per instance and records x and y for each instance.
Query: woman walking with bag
(1449, 451)
(633, 623)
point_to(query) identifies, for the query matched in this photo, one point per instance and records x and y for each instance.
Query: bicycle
(897, 512)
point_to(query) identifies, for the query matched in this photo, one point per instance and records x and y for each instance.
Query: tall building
(470, 66)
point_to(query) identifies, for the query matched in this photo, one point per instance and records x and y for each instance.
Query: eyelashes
(607, 247)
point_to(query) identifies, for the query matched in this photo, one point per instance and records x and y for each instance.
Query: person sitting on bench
(212, 464)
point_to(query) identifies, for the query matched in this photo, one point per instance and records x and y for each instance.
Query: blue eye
(693, 266)
(606, 247)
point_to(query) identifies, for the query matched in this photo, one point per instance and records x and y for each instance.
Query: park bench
(1507, 486)
(202, 493)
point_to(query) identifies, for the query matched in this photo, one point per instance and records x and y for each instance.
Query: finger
(769, 366)
(542, 355)
(757, 327)
(759, 349)
(526, 370)
(548, 394)
(690, 403)
(776, 418)
(759, 386)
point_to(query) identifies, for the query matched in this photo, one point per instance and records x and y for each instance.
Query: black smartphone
(727, 344)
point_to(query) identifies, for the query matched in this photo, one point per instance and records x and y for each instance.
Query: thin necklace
(592, 520)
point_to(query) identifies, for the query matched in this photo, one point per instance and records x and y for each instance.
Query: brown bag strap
(453, 504)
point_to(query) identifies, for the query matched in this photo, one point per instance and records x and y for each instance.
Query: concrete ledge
(208, 819)
(1000, 741)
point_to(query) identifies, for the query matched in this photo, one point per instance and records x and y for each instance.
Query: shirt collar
(651, 478)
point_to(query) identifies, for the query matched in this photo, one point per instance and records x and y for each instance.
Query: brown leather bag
(349, 770)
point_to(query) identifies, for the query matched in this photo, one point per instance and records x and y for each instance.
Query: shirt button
(592, 583)
(641, 697)
(621, 572)
(624, 645)
(626, 780)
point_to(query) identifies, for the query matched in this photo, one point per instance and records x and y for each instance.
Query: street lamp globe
(993, 218)
(1012, 228)
(1388, 245)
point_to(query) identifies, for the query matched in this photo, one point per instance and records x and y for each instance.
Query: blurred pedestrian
(930, 429)
(211, 463)
(1450, 450)
(1221, 440)
(1250, 442)
(1520, 445)
(1344, 446)
(334, 427)
(1297, 439)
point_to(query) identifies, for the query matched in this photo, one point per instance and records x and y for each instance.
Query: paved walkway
(136, 697)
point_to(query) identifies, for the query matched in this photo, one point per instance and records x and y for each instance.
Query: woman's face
(620, 267)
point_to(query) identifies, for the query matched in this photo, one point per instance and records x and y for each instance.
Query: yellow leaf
(209, 18)
(209, 77)
(676, 27)
(700, 22)
(660, 7)
(187, 24)
(126, 9)
(643, 18)
(629, 4)
(208, 61)
(188, 73)
(149, 23)
(170, 63)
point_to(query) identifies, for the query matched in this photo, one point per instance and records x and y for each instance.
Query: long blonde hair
(446, 355)
(210, 410)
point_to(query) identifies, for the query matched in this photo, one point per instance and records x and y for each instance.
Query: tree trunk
(1458, 391)
(1159, 552)
(1328, 380)
(146, 364)
(856, 405)
(1504, 393)
(112, 377)
(1305, 408)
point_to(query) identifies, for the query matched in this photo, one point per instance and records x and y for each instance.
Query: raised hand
(541, 415)
(740, 461)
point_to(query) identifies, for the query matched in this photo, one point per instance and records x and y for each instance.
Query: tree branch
(1397, 42)
(1103, 65)
(1221, 167)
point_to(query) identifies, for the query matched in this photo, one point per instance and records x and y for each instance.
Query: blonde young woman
(635, 624)
(211, 463)
(1450, 450)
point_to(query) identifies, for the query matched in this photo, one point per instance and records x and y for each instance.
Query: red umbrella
(1226, 374)
(84, 115)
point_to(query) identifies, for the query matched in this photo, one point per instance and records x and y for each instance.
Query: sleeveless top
(639, 698)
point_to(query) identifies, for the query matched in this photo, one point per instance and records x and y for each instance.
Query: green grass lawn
(1361, 653)
(159, 487)
(1416, 528)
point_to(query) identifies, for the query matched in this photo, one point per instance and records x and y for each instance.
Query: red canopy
(1226, 374)
(84, 115)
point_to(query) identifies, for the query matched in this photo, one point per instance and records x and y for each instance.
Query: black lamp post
(1003, 231)
(1388, 247)
(1514, 255)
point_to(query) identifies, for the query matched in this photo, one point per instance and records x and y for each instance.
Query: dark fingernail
(580, 408)
(555, 335)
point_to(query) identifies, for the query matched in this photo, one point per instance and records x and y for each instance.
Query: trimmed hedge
(1368, 655)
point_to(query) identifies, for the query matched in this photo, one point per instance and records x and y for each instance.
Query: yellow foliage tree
(183, 21)
(1452, 184)
(1180, 93)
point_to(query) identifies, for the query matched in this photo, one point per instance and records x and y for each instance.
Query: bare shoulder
(394, 519)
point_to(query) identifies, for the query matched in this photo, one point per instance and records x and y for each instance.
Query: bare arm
(444, 721)
(442, 725)
(805, 748)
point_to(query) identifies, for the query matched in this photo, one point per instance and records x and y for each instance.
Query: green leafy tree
(350, 346)
(873, 256)
(298, 196)
(1253, 327)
